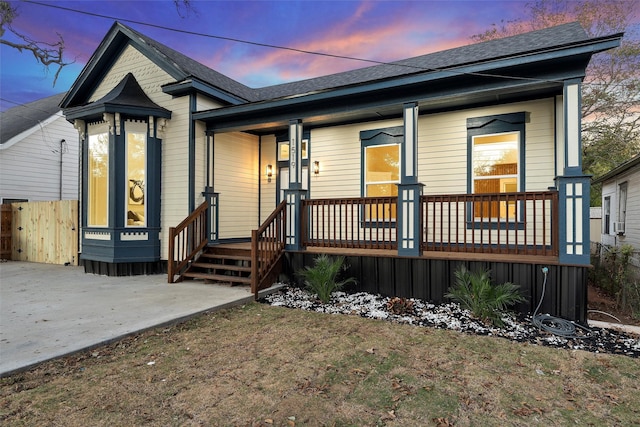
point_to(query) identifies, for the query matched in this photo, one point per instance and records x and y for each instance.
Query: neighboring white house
(38, 153)
(621, 206)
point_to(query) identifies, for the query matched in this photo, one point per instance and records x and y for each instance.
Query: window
(495, 170)
(606, 208)
(135, 194)
(496, 167)
(381, 170)
(622, 206)
(98, 180)
(283, 150)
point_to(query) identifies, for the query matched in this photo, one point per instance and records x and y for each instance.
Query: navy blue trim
(116, 250)
(564, 199)
(193, 85)
(370, 138)
(499, 123)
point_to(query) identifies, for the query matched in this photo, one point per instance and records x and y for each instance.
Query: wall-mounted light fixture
(269, 172)
(316, 167)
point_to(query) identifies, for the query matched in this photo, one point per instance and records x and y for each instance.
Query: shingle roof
(473, 53)
(196, 69)
(23, 117)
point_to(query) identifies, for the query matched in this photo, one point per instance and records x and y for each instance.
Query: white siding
(338, 151)
(631, 234)
(175, 170)
(442, 151)
(236, 179)
(33, 167)
(267, 189)
(442, 147)
(148, 74)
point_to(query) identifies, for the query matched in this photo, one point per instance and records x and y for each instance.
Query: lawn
(261, 365)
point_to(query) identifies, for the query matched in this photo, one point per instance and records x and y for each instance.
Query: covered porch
(454, 230)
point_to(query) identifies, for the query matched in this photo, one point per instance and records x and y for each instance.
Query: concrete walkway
(47, 311)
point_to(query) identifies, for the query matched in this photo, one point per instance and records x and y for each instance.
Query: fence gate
(45, 232)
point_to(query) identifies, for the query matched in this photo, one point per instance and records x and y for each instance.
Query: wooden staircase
(227, 263)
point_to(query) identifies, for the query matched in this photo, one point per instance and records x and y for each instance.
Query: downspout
(192, 153)
(62, 141)
(259, 180)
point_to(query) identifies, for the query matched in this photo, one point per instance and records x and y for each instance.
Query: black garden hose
(555, 325)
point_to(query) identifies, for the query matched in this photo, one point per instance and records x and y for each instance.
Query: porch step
(222, 264)
(219, 278)
(227, 267)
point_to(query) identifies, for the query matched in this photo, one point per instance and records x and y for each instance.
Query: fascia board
(24, 134)
(192, 84)
(109, 50)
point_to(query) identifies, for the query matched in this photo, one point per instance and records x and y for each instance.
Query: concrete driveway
(47, 311)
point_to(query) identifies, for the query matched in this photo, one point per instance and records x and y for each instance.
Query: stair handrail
(267, 246)
(186, 240)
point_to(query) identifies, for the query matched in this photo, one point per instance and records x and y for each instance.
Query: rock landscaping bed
(451, 316)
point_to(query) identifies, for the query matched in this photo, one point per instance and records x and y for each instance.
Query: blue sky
(377, 30)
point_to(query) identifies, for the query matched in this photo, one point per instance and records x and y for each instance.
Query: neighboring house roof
(624, 167)
(17, 122)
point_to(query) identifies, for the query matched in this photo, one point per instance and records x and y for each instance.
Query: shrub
(322, 278)
(613, 274)
(487, 302)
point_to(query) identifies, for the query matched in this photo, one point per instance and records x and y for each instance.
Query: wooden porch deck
(392, 253)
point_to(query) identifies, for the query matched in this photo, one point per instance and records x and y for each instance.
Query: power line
(292, 49)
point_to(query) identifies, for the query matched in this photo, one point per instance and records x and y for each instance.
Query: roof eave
(581, 51)
(116, 40)
(194, 85)
(624, 167)
(91, 111)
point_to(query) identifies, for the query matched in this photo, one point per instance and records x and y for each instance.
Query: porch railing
(501, 223)
(186, 240)
(267, 246)
(359, 222)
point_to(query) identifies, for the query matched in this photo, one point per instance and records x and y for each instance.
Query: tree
(611, 90)
(48, 54)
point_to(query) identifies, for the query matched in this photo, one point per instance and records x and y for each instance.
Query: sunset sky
(377, 30)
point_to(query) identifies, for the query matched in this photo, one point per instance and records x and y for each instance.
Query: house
(621, 207)
(470, 155)
(39, 152)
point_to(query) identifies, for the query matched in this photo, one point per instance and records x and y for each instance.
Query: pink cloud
(389, 41)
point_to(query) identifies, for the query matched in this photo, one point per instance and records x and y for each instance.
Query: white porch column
(294, 195)
(295, 154)
(573, 186)
(409, 189)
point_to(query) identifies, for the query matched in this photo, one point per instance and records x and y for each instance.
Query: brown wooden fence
(45, 232)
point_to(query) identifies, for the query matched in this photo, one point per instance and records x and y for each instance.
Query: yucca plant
(322, 278)
(487, 302)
